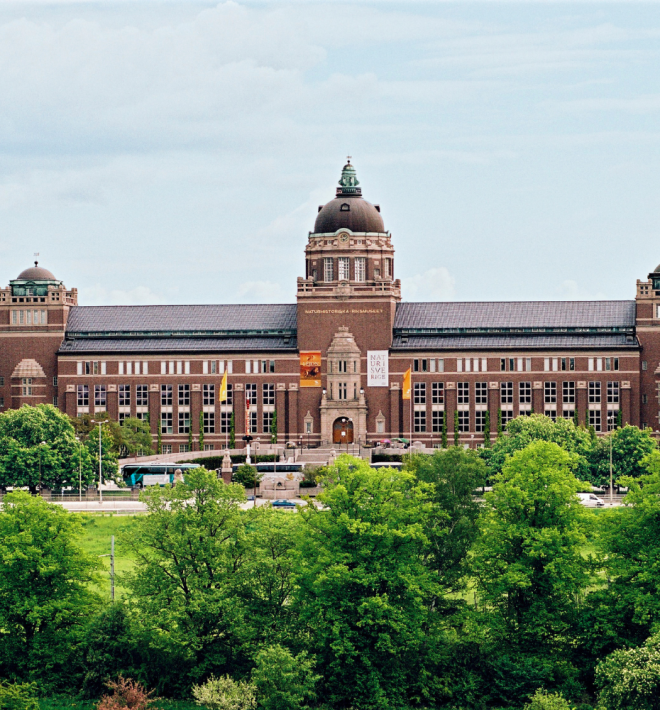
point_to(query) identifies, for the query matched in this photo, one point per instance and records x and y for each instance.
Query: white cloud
(433, 285)
(570, 290)
(100, 296)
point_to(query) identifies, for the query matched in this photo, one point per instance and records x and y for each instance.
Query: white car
(590, 500)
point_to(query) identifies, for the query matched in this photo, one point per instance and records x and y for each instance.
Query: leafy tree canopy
(247, 475)
(38, 447)
(629, 446)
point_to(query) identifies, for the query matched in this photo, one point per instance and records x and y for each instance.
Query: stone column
(280, 408)
(537, 398)
(154, 409)
(395, 410)
(195, 409)
(581, 403)
(450, 408)
(70, 401)
(113, 402)
(239, 413)
(493, 407)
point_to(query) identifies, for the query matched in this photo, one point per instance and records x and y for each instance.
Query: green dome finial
(348, 181)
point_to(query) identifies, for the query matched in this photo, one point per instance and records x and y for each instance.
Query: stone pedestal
(226, 470)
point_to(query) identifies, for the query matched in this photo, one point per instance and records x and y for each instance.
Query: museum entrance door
(342, 431)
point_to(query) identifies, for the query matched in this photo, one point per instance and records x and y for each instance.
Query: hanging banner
(378, 374)
(405, 394)
(310, 369)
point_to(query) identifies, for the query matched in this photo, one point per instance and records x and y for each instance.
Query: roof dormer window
(345, 207)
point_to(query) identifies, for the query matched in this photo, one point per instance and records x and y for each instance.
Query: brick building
(331, 366)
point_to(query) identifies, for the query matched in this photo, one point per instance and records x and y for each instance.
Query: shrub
(18, 696)
(542, 700)
(284, 681)
(225, 694)
(127, 695)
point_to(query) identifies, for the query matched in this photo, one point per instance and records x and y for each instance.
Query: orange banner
(406, 385)
(310, 369)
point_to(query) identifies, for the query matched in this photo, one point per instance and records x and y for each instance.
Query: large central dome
(349, 210)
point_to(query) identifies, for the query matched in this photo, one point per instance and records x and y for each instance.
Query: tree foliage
(284, 681)
(225, 694)
(630, 446)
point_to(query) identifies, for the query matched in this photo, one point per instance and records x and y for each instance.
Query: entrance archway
(342, 431)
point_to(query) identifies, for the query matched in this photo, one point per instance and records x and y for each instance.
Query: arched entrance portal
(342, 431)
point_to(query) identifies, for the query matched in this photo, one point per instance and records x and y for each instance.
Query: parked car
(283, 504)
(590, 500)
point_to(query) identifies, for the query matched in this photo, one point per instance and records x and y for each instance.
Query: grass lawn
(98, 530)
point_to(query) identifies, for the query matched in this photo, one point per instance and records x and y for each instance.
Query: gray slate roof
(182, 345)
(139, 319)
(516, 314)
(518, 342)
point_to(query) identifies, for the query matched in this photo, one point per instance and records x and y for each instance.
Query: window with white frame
(612, 392)
(480, 421)
(208, 421)
(360, 268)
(225, 422)
(419, 421)
(142, 395)
(184, 422)
(507, 416)
(594, 393)
(464, 421)
(506, 392)
(251, 394)
(208, 395)
(124, 395)
(420, 365)
(328, 270)
(166, 422)
(525, 392)
(166, 395)
(568, 392)
(419, 393)
(568, 363)
(595, 419)
(343, 268)
(463, 396)
(100, 398)
(268, 393)
(611, 363)
(550, 392)
(26, 388)
(437, 393)
(481, 393)
(266, 421)
(437, 420)
(184, 395)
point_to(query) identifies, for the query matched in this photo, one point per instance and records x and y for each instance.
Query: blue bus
(272, 467)
(137, 475)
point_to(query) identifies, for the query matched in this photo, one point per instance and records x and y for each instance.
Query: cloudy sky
(176, 152)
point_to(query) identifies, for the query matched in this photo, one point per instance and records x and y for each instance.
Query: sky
(177, 152)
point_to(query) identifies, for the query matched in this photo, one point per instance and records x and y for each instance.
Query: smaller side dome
(36, 273)
(656, 270)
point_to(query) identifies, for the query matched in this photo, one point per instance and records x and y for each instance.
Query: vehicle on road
(153, 474)
(387, 464)
(283, 504)
(590, 500)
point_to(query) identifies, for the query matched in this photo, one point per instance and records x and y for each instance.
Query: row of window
(344, 269)
(506, 392)
(30, 317)
(175, 367)
(514, 364)
(465, 418)
(209, 422)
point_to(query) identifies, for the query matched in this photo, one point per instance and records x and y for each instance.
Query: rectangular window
(463, 393)
(459, 364)
(420, 365)
(268, 393)
(419, 421)
(419, 396)
(184, 422)
(438, 393)
(567, 413)
(251, 394)
(550, 391)
(230, 394)
(441, 365)
(644, 364)
(266, 421)
(528, 364)
(611, 363)
(343, 269)
(568, 392)
(83, 395)
(166, 448)
(184, 395)
(503, 364)
(27, 386)
(437, 419)
(225, 422)
(142, 395)
(184, 448)
(546, 364)
(525, 392)
(599, 364)
(268, 365)
(481, 393)
(612, 392)
(506, 392)
(253, 422)
(463, 422)
(555, 364)
(342, 390)
(2, 381)
(166, 395)
(99, 396)
(594, 393)
(568, 363)
(507, 416)
(208, 397)
(209, 422)
(124, 395)
(480, 421)
(163, 368)
(594, 419)
(248, 367)
(328, 270)
(360, 268)
(166, 422)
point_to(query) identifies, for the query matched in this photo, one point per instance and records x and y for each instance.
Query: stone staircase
(321, 455)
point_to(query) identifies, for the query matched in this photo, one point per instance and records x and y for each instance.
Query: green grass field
(98, 531)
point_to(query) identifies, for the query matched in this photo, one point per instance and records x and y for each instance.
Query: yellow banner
(406, 385)
(310, 369)
(223, 388)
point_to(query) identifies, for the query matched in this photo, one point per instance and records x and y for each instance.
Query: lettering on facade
(377, 368)
(341, 311)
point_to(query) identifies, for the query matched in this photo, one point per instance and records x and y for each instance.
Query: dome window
(345, 207)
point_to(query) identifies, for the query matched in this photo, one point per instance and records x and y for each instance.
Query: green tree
(455, 474)
(629, 446)
(189, 550)
(630, 678)
(232, 432)
(528, 562)
(542, 700)
(45, 596)
(445, 440)
(500, 428)
(363, 587)
(522, 431)
(487, 429)
(135, 437)
(110, 459)
(284, 681)
(247, 476)
(576, 417)
(456, 431)
(18, 696)
(225, 694)
(273, 428)
(38, 447)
